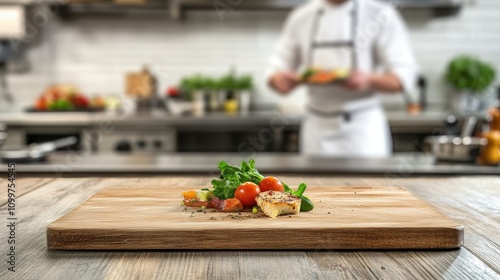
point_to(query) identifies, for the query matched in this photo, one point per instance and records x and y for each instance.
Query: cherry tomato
(271, 184)
(246, 193)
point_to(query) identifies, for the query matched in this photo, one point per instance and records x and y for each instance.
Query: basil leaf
(300, 190)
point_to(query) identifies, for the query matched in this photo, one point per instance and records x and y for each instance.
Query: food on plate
(242, 187)
(316, 75)
(275, 204)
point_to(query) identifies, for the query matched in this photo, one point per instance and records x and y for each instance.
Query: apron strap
(335, 44)
(354, 34)
(314, 32)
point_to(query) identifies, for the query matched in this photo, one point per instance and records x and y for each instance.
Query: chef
(368, 38)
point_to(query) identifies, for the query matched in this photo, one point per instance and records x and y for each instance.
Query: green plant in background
(232, 82)
(210, 84)
(217, 84)
(198, 82)
(469, 73)
(244, 83)
(227, 82)
(193, 83)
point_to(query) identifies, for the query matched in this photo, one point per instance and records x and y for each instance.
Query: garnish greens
(233, 176)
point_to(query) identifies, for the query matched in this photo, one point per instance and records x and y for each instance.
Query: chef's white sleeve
(286, 55)
(393, 50)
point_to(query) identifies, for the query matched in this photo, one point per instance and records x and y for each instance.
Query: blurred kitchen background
(107, 49)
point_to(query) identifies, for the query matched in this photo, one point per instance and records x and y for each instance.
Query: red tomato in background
(246, 193)
(80, 101)
(173, 91)
(41, 104)
(271, 184)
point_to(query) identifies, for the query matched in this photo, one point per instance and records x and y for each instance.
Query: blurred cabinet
(243, 140)
(20, 137)
(408, 142)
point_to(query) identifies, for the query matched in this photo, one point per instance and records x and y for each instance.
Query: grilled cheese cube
(274, 204)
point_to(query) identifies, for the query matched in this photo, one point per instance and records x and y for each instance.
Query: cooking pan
(36, 152)
(454, 148)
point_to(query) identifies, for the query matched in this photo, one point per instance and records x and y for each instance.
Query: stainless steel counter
(401, 165)
(397, 119)
(153, 118)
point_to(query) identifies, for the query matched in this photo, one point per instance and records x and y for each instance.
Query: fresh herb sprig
(306, 204)
(233, 176)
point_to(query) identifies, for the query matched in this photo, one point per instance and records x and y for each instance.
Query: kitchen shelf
(176, 9)
(173, 8)
(69, 10)
(438, 7)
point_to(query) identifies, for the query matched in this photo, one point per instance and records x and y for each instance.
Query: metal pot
(453, 148)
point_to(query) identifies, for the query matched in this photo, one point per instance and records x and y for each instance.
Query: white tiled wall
(95, 52)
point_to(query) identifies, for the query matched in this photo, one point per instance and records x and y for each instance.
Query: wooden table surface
(472, 201)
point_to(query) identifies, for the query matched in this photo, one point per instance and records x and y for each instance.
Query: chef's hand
(284, 81)
(386, 82)
(359, 81)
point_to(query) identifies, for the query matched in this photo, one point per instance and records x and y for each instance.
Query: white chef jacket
(381, 44)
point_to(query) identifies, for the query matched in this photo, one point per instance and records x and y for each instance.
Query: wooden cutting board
(343, 218)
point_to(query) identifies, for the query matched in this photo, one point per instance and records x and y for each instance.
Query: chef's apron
(354, 125)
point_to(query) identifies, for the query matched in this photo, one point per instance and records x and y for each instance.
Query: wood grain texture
(44, 205)
(344, 218)
(23, 186)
